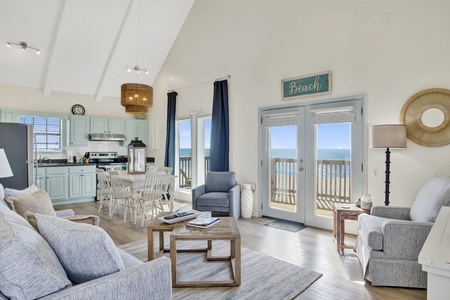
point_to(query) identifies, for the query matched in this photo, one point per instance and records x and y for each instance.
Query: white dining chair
(151, 195)
(104, 190)
(121, 195)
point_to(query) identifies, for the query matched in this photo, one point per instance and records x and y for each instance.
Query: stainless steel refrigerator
(17, 140)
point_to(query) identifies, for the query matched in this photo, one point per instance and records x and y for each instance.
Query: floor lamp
(5, 168)
(388, 136)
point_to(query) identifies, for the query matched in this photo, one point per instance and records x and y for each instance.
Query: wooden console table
(342, 212)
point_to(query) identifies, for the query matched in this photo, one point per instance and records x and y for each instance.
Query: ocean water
(330, 154)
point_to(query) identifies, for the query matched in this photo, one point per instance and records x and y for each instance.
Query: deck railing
(185, 174)
(332, 182)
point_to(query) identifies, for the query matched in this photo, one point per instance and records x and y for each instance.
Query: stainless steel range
(108, 161)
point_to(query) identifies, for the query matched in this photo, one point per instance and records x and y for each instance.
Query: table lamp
(5, 168)
(388, 136)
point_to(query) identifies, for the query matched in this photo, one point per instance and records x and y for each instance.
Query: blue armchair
(220, 194)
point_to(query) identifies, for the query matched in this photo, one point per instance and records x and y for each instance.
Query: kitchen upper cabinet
(136, 128)
(8, 116)
(79, 129)
(105, 125)
(82, 182)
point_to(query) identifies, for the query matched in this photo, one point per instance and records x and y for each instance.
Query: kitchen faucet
(45, 158)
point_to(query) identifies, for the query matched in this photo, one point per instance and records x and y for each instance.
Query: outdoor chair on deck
(390, 238)
(220, 194)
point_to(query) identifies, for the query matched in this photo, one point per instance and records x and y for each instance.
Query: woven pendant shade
(136, 98)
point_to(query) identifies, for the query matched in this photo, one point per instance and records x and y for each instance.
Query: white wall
(388, 50)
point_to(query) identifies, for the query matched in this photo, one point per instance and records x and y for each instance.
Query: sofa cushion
(433, 195)
(29, 268)
(37, 202)
(220, 181)
(214, 199)
(86, 252)
(16, 193)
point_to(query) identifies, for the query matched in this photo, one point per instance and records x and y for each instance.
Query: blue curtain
(219, 158)
(169, 160)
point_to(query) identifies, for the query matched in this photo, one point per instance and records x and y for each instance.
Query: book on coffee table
(203, 221)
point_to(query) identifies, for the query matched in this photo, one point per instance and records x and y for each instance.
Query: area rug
(286, 225)
(262, 276)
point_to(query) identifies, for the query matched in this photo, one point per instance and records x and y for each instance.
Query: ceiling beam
(55, 50)
(100, 87)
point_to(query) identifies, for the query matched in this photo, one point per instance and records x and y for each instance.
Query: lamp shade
(136, 98)
(5, 168)
(388, 136)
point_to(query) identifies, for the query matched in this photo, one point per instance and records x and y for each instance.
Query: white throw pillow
(86, 252)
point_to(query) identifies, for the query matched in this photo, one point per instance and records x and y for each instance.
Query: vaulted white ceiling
(86, 45)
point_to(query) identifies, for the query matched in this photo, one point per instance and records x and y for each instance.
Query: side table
(342, 212)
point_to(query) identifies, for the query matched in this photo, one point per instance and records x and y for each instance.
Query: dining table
(137, 182)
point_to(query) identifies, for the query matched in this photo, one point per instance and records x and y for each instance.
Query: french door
(311, 157)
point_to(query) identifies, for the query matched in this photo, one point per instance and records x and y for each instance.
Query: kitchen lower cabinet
(82, 182)
(68, 184)
(54, 181)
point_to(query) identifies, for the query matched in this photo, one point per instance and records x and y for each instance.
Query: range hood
(107, 137)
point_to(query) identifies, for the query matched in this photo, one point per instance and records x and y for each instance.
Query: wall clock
(78, 109)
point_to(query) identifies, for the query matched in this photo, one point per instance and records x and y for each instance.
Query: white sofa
(30, 269)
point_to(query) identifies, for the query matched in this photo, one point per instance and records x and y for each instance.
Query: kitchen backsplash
(103, 146)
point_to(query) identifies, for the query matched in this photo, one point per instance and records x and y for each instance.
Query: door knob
(301, 169)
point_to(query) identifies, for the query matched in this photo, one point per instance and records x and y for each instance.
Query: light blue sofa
(30, 269)
(390, 238)
(220, 194)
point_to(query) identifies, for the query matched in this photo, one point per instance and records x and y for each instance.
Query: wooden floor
(311, 248)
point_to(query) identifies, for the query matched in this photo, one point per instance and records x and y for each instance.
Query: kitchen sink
(51, 164)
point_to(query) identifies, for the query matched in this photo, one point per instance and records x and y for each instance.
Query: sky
(185, 134)
(330, 136)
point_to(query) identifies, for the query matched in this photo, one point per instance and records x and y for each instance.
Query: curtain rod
(206, 81)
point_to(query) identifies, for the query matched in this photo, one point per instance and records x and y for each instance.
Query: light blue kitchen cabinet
(8, 116)
(79, 129)
(136, 128)
(107, 125)
(55, 182)
(82, 182)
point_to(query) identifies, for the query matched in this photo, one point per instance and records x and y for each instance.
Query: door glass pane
(184, 154)
(283, 167)
(207, 143)
(333, 176)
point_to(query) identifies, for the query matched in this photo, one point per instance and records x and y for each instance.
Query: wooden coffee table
(228, 230)
(159, 227)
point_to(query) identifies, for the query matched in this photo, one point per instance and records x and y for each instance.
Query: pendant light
(136, 97)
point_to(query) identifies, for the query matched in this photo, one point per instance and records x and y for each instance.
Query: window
(193, 143)
(184, 154)
(47, 132)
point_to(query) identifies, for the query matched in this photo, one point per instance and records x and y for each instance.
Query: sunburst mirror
(427, 117)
